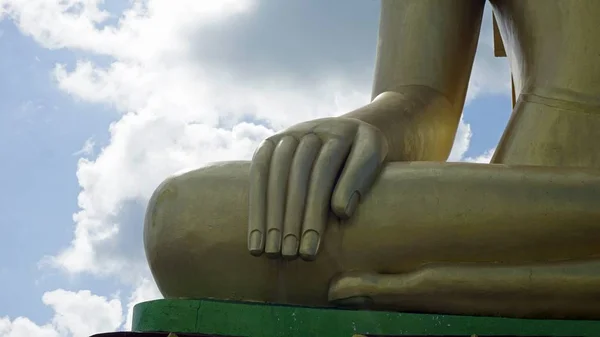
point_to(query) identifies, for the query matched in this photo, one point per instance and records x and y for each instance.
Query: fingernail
(290, 246)
(352, 203)
(255, 243)
(273, 242)
(309, 245)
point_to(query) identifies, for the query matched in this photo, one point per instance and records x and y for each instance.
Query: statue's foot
(570, 290)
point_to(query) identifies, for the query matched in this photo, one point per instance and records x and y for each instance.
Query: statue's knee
(195, 228)
(194, 209)
(161, 221)
(183, 206)
(157, 211)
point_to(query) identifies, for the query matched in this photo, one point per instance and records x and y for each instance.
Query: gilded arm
(425, 53)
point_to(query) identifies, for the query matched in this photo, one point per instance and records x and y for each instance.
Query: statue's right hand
(299, 174)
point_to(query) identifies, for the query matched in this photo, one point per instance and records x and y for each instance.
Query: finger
(360, 171)
(305, 156)
(322, 179)
(257, 197)
(277, 190)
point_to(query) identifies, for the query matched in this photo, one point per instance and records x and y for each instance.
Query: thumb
(360, 171)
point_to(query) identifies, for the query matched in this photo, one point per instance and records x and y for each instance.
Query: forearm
(430, 43)
(424, 59)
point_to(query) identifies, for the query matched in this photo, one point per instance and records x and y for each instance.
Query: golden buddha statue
(362, 209)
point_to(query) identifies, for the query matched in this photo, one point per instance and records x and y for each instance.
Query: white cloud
(81, 314)
(177, 112)
(23, 327)
(484, 158)
(76, 314)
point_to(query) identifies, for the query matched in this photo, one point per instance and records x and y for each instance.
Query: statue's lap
(195, 238)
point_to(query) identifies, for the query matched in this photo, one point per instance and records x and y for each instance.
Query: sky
(102, 100)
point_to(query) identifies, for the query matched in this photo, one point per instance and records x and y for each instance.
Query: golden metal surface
(375, 215)
(528, 229)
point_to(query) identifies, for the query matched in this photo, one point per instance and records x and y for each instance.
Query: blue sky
(174, 80)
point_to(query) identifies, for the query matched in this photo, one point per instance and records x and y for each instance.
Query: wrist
(419, 123)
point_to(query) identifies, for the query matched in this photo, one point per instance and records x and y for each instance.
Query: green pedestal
(257, 320)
